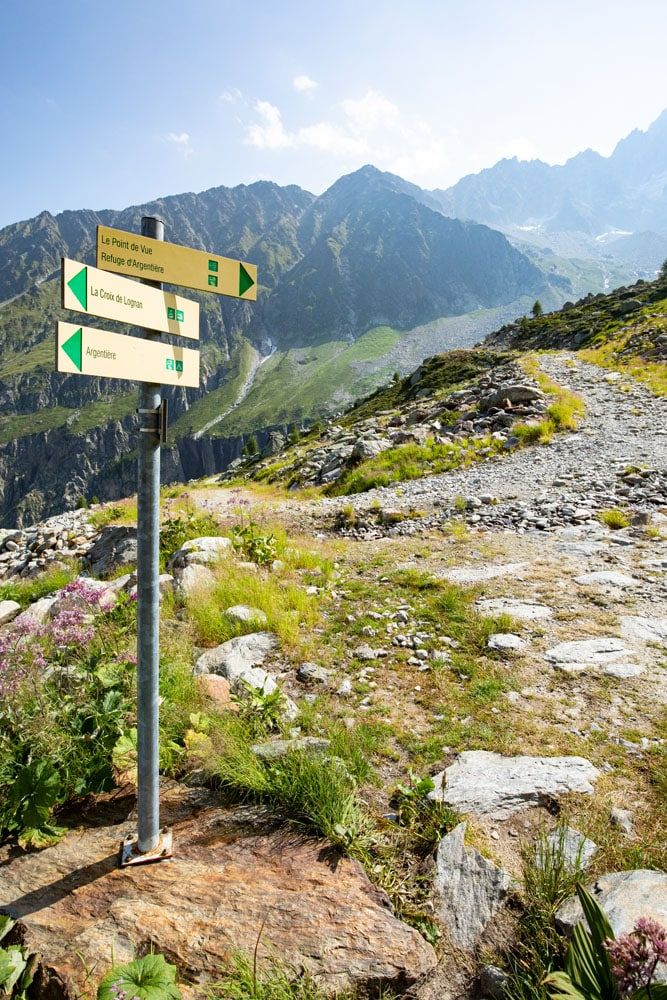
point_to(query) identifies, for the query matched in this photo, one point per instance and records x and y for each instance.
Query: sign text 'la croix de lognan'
(142, 257)
(101, 293)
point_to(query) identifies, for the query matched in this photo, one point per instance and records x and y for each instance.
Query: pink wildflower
(635, 957)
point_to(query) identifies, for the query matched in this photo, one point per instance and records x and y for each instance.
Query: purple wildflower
(635, 957)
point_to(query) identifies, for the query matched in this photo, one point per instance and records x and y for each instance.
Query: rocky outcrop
(234, 885)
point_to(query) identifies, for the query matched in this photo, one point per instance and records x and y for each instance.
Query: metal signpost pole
(148, 611)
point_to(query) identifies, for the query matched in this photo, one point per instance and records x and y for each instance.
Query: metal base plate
(130, 855)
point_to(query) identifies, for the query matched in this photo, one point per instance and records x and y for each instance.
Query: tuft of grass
(25, 592)
(614, 518)
(290, 612)
(246, 980)
(548, 880)
(316, 792)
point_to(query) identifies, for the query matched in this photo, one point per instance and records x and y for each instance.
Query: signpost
(142, 257)
(82, 350)
(90, 290)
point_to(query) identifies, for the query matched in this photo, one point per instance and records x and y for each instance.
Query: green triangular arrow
(245, 281)
(73, 348)
(79, 286)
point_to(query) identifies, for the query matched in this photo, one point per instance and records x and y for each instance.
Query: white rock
(193, 579)
(37, 612)
(8, 611)
(580, 655)
(472, 574)
(625, 897)
(244, 613)
(205, 551)
(607, 578)
(645, 629)
(468, 890)
(523, 610)
(487, 784)
(506, 641)
(576, 850)
(624, 671)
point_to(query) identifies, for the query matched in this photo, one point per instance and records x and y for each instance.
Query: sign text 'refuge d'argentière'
(142, 257)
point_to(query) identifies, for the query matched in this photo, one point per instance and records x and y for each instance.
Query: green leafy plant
(17, 965)
(31, 799)
(426, 819)
(262, 710)
(257, 546)
(147, 978)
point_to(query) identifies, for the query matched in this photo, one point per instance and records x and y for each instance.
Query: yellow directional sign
(82, 350)
(142, 257)
(90, 290)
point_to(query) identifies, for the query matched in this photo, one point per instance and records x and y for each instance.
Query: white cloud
(269, 132)
(181, 140)
(330, 138)
(522, 148)
(369, 128)
(231, 96)
(304, 84)
(371, 112)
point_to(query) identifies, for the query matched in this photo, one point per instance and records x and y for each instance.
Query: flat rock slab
(523, 610)
(644, 629)
(581, 655)
(228, 879)
(487, 784)
(468, 889)
(478, 574)
(607, 578)
(625, 897)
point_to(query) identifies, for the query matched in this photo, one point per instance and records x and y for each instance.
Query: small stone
(8, 611)
(244, 613)
(192, 579)
(275, 749)
(219, 691)
(624, 820)
(345, 688)
(493, 982)
(309, 673)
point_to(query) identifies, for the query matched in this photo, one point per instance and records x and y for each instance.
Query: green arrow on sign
(245, 281)
(73, 347)
(79, 286)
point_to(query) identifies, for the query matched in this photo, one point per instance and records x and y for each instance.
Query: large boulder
(512, 393)
(489, 785)
(468, 889)
(236, 885)
(116, 546)
(192, 580)
(204, 551)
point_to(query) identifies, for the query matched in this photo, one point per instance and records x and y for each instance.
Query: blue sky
(107, 104)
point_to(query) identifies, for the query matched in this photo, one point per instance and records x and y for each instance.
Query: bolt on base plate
(130, 854)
